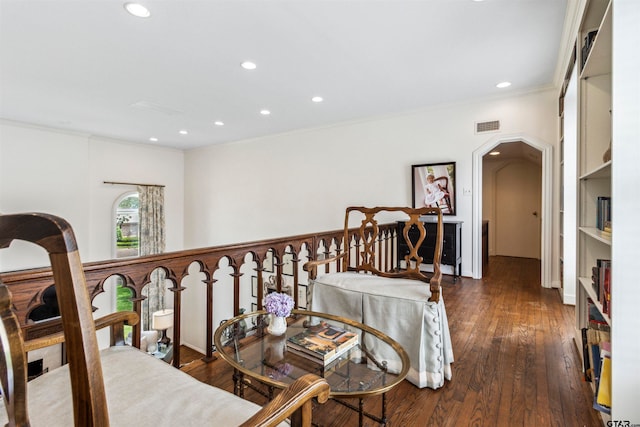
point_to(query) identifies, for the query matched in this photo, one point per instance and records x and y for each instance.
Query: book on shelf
(586, 365)
(603, 214)
(323, 343)
(604, 288)
(601, 282)
(595, 280)
(597, 345)
(606, 292)
(596, 319)
(602, 397)
(594, 360)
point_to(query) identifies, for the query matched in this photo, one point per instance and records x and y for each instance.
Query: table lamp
(161, 321)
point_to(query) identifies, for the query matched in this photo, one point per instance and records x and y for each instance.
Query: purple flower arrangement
(278, 304)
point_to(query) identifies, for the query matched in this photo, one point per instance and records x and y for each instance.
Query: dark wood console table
(451, 244)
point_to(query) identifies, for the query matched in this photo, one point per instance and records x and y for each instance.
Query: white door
(518, 203)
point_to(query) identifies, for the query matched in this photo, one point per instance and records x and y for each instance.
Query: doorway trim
(546, 202)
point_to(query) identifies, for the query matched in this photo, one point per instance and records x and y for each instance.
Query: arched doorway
(546, 204)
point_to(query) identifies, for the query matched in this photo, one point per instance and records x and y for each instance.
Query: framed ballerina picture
(433, 184)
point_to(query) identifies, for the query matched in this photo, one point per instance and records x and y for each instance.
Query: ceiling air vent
(491, 126)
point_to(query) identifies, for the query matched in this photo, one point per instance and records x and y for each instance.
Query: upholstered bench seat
(399, 308)
(142, 391)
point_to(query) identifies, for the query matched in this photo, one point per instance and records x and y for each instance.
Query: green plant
(128, 242)
(124, 303)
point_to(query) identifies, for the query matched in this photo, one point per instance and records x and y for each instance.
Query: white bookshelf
(608, 113)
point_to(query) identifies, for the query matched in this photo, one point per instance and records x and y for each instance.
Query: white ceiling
(83, 65)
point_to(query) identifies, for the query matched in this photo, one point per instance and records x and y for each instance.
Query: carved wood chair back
(56, 236)
(368, 238)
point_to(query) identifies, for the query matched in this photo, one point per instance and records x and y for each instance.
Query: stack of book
(597, 363)
(596, 320)
(322, 344)
(602, 377)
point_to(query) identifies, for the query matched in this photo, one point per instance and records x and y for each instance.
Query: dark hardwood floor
(516, 363)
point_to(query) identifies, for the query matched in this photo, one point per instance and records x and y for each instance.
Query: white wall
(113, 160)
(274, 186)
(62, 173)
(43, 170)
(525, 170)
(518, 210)
(302, 181)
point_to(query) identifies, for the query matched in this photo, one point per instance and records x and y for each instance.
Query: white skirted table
(400, 309)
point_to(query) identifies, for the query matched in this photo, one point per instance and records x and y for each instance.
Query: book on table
(322, 343)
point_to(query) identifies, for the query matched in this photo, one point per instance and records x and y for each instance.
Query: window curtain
(152, 242)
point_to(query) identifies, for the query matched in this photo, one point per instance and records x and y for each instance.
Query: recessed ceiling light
(153, 139)
(184, 132)
(248, 65)
(265, 112)
(502, 85)
(317, 99)
(494, 153)
(136, 9)
(218, 123)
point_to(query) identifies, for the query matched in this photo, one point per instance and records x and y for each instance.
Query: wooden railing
(27, 286)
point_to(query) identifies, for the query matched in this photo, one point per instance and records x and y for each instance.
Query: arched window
(141, 214)
(127, 231)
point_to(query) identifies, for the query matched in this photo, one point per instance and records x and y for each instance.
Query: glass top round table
(372, 366)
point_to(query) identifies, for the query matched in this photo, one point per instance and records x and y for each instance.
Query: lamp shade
(162, 319)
